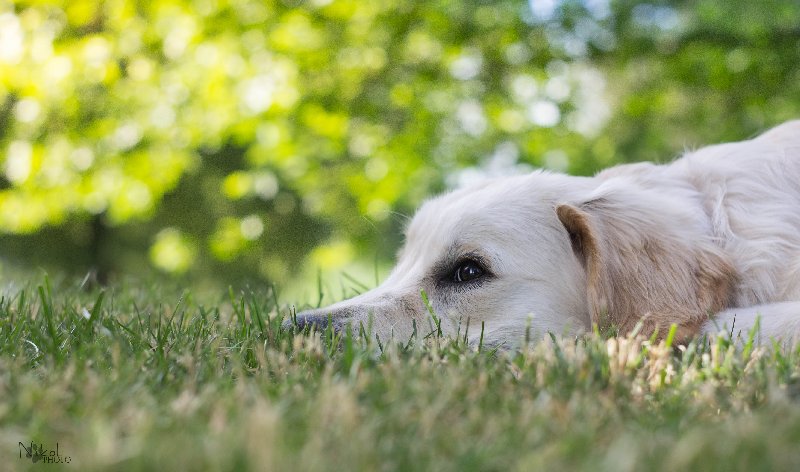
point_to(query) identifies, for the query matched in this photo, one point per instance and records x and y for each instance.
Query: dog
(708, 242)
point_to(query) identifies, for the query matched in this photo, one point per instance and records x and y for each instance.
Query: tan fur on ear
(641, 266)
(583, 241)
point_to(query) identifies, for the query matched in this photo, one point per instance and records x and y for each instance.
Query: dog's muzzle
(314, 319)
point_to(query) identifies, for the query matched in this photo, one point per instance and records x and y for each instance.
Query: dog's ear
(644, 264)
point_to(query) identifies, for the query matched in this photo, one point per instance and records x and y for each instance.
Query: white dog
(708, 242)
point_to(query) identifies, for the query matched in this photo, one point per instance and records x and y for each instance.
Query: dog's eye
(466, 271)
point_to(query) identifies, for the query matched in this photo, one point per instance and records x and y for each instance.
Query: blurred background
(277, 141)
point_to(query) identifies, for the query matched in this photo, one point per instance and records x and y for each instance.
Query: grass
(140, 378)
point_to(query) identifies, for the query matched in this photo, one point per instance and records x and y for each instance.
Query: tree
(233, 138)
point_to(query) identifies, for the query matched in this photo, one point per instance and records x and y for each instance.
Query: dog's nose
(311, 318)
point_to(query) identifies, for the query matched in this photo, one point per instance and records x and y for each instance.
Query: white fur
(720, 225)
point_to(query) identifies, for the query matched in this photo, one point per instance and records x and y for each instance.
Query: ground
(138, 377)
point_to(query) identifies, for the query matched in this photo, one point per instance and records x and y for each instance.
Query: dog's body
(711, 240)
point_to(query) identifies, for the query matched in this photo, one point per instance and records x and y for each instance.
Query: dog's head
(495, 253)
(511, 256)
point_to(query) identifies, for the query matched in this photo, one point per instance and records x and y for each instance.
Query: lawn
(143, 377)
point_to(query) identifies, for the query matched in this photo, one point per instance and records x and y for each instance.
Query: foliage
(138, 378)
(234, 137)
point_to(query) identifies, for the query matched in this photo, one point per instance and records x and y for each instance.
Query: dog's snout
(313, 319)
